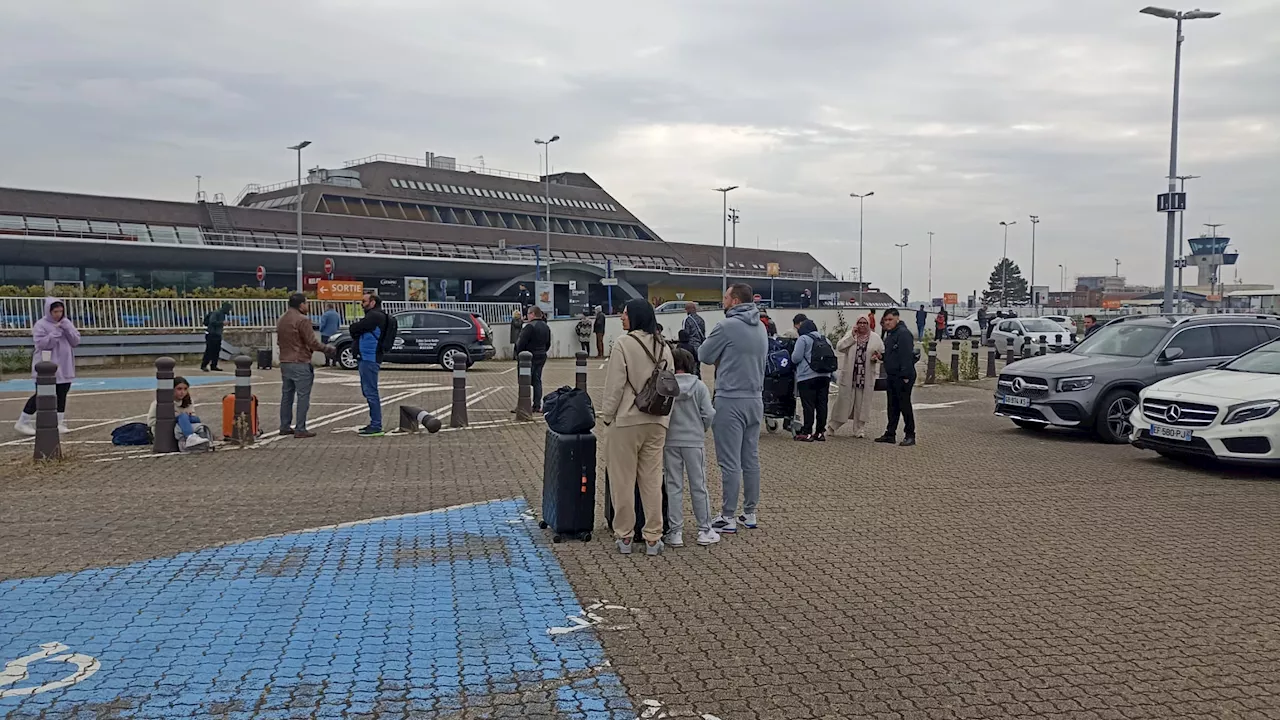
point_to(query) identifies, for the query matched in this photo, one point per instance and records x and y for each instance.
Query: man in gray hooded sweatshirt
(739, 347)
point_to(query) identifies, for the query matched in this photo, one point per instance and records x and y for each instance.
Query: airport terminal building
(395, 223)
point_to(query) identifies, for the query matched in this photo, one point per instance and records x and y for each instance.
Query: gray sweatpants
(676, 461)
(737, 432)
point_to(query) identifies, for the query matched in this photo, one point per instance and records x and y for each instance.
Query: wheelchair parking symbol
(15, 671)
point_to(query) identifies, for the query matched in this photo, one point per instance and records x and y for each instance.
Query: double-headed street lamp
(724, 227)
(861, 274)
(298, 148)
(1178, 16)
(546, 200)
(1004, 264)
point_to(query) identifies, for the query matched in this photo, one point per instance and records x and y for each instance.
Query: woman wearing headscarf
(860, 353)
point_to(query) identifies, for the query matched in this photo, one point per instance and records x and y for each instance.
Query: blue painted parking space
(141, 382)
(442, 614)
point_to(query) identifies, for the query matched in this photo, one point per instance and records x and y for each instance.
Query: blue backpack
(134, 433)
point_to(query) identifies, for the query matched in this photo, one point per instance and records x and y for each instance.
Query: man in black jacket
(599, 330)
(536, 338)
(900, 378)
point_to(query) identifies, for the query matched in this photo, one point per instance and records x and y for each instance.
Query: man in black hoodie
(900, 378)
(536, 338)
(214, 321)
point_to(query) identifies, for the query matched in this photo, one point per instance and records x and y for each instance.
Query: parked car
(963, 328)
(1015, 330)
(1095, 384)
(1067, 323)
(1228, 413)
(431, 337)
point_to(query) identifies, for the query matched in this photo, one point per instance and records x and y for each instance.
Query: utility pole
(1035, 306)
(724, 237)
(733, 219)
(1004, 265)
(930, 290)
(900, 247)
(1182, 244)
(861, 198)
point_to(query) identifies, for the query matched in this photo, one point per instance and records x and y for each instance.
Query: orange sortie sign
(339, 290)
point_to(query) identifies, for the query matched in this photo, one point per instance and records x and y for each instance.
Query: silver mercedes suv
(1094, 385)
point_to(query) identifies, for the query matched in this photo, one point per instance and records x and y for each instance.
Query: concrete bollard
(242, 423)
(524, 401)
(458, 415)
(48, 445)
(413, 419)
(931, 370)
(166, 418)
(955, 361)
(1044, 342)
(580, 371)
(991, 362)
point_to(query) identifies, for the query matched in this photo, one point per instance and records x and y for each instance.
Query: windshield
(1265, 359)
(1122, 339)
(1035, 325)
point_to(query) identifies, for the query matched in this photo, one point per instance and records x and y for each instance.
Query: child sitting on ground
(184, 409)
(685, 452)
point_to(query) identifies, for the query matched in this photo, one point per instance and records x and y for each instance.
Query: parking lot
(987, 572)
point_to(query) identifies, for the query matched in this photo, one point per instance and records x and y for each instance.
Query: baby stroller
(780, 390)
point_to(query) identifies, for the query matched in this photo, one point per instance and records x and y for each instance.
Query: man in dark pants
(213, 325)
(599, 327)
(536, 338)
(900, 378)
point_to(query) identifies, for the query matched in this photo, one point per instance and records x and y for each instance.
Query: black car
(429, 336)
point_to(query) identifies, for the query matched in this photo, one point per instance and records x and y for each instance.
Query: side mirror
(1170, 354)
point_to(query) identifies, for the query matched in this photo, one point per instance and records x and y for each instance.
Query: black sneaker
(286, 431)
(886, 439)
(820, 437)
(370, 431)
(801, 437)
(908, 441)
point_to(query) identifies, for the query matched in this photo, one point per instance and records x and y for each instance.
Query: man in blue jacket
(739, 347)
(367, 333)
(330, 324)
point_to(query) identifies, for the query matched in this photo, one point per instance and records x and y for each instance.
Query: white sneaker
(708, 537)
(62, 424)
(748, 519)
(724, 525)
(653, 549)
(674, 539)
(624, 546)
(26, 424)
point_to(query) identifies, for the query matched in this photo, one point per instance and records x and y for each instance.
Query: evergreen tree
(1008, 275)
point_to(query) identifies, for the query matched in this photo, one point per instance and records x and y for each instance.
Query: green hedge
(108, 291)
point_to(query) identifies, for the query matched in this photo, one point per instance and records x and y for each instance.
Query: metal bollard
(48, 444)
(1072, 338)
(1008, 350)
(580, 373)
(931, 370)
(1044, 341)
(242, 425)
(991, 362)
(458, 415)
(1057, 340)
(1026, 347)
(524, 403)
(974, 350)
(413, 419)
(955, 361)
(166, 418)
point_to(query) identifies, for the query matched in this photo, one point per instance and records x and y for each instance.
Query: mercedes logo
(1019, 385)
(1173, 413)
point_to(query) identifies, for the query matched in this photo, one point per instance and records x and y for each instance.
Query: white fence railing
(187, 314)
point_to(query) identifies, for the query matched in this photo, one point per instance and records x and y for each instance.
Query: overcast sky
(956, 117)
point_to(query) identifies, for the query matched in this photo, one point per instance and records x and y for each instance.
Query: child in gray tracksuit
(685, 452)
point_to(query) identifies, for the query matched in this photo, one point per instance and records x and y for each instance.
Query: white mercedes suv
(1228, 413)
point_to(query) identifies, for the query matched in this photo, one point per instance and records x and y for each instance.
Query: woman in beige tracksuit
(634, 439)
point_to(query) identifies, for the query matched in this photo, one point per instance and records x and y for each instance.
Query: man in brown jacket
(297, 341)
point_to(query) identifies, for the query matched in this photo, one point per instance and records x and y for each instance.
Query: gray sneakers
(654, 548)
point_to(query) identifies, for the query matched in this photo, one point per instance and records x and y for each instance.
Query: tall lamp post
(724, 227)
(900, 246)
(1182, 219)
(930, 289)
(546, 201)
(1178, 16)
(1035, 306)
(1004, 265)
(298, 148)
(734, 217)
(1062, 278)
(861, 274)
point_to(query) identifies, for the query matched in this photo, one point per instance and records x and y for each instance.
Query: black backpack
(822, 358)
(389, 334)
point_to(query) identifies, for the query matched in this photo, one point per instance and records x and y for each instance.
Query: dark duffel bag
(569, 411)
(639, 532)
(569, 485)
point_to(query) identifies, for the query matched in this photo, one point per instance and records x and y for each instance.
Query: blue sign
(438, 614)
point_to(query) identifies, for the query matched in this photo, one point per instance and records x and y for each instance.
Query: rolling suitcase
(229, 416)
(264, 359)
(639, 533)
(569, 485)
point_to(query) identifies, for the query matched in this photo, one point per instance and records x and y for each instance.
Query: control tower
(1208, 255)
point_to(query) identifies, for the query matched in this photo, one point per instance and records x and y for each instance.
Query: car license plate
(1170, 433)
(1015, 401)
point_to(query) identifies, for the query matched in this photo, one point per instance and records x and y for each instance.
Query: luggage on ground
(569, 485)
(569, 411)
(229, 415)
(198, 441)
(264, 359)
(639, 533)
(134, 433)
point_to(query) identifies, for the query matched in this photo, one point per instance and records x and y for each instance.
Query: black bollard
(1072, 338)
(1044, 341)
(1008, 350)
(166, 418)
(1026, 347)
(458, 415)
(524, 403)
(1057, 341)
(580, 371)
(48, 444)
(931, 370)
(955, 361)
(413, 419)
(242, 425)
(991, 362)
(973, 350)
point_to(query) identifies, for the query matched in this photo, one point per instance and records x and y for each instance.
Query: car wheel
(347, 357)
(1112, 424)
(963, 333)
(1029, 425)
(447, 355)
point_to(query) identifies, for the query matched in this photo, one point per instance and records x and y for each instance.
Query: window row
(501, 195)
(280, 203)
(105, 230)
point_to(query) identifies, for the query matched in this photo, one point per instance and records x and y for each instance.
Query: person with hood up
(214, 322)
(685, 452)
(53, 334)
(739, 348)
(860, 353)
(812, 385)
(367, 334)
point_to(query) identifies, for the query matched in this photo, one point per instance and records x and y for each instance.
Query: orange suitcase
(229, 415)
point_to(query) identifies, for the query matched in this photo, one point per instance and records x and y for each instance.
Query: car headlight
(1245, 412)
(1075, 384)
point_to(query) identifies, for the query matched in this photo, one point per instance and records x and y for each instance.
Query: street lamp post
(1182, 220)
(861, 274)
(733, 220)
(1062, 278)
(298, 148)
(1035, 306)
(546, 200)
(1117, 268)
(900, 246)
(724, 241)
(1178, 16)
(929, 291)
(1004, 264)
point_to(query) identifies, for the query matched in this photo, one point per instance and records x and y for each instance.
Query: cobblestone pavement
(988, 572)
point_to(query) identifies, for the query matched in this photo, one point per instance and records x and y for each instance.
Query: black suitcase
(639, 533)
(569, 485)
(264, 359)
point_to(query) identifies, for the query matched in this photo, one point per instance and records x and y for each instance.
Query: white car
(1014, 332)
(1067, 323)
(963, 328)
(1228, 413)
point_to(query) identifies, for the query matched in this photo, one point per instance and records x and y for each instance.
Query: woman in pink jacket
(53, 334)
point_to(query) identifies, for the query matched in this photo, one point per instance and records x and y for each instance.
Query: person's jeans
(296, 379)
(813, 397)
(539, 361)
(369, 388)
(898, 393)
(186, 423)
(919, 331)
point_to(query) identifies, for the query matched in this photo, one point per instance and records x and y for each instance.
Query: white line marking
(21, 441)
